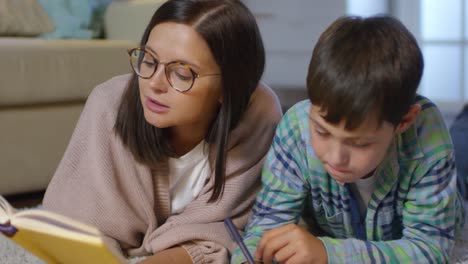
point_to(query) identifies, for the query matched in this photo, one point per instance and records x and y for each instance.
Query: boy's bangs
(340, 100)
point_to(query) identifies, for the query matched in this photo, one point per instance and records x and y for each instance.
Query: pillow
(78, 19)
(23, 18)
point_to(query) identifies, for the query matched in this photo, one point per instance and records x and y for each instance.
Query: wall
(290, 29)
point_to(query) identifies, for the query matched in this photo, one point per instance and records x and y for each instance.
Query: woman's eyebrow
(191, 64)
(152, 50)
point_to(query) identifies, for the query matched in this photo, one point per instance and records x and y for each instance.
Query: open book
(55, 238)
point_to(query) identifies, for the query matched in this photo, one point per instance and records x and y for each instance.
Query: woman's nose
(158, 82)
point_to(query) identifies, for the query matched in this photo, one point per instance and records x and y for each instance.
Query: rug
(10, 253)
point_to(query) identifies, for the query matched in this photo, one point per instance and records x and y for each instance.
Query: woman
(160, 158)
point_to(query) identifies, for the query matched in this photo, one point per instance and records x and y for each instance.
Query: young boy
(366, 162)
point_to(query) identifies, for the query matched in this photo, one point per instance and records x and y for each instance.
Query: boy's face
(349, 155)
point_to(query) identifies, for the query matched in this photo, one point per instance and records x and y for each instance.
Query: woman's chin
(155, 121)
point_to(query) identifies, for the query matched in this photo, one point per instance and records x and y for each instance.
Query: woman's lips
(155, 106)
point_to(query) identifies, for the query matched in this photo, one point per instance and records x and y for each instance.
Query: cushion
(128, 19)
(38, 71)
(77, 19)
(23, 18)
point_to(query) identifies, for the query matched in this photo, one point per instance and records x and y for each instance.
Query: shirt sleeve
(280, 200)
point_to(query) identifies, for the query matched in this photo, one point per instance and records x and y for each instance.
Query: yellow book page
(57, 239)
(40, 219)
(70, 248)
(6, 210)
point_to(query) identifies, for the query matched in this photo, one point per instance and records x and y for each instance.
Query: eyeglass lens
(178, 74)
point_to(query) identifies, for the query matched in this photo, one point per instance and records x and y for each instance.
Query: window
(444, 42)
(441, 28)
(366, 7)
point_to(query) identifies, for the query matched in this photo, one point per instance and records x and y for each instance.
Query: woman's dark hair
(233, 37)
(365, 65)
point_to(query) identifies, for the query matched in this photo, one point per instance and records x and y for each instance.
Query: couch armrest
(127, 20)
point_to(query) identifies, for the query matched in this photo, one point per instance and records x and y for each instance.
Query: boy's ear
(409, 118)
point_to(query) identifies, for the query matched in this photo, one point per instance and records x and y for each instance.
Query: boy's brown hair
(363, 65)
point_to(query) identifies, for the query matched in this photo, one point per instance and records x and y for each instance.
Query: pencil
(236, 236)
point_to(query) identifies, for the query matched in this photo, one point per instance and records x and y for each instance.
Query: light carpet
(10, 253)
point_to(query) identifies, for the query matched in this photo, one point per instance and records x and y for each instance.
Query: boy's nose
(338, 156)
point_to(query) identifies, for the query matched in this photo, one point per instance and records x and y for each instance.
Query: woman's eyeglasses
(179, 75)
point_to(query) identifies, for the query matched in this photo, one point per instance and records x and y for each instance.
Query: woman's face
(165, 107)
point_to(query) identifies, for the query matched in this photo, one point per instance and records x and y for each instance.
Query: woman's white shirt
(188, 175)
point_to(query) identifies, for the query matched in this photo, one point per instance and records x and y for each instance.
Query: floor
(459, 255)
(25, 200)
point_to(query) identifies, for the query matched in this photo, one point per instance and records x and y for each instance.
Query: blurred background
(291, 28)
(54, 52)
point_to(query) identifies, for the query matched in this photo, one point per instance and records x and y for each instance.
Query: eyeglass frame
(194, 74)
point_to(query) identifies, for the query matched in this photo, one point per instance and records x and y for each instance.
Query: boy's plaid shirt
(412, 217)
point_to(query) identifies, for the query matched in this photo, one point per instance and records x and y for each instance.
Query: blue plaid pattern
(412, 217)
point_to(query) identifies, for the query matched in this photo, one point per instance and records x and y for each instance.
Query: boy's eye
(361, 144)
(321, 133)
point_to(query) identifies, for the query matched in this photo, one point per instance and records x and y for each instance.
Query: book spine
(8, 230)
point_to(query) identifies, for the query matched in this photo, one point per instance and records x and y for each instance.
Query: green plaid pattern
(412, 217)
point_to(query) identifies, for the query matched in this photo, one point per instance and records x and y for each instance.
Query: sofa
(44, 86)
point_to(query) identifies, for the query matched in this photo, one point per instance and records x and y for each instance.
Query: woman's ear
(409, 118)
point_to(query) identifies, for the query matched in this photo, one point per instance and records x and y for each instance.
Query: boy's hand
(291, 244)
